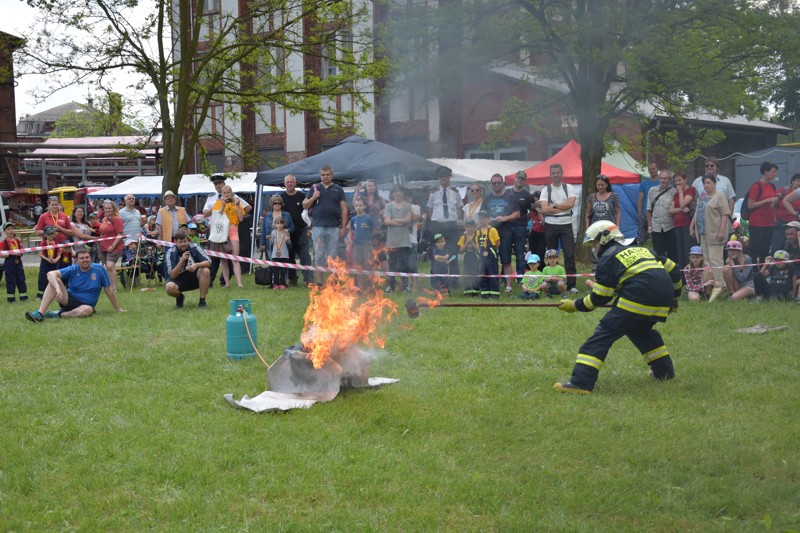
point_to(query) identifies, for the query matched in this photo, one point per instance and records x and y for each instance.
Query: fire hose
(412, 306)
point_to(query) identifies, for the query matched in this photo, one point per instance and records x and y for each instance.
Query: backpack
(745, 210)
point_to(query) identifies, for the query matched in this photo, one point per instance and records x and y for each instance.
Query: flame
(431, 302)
(339, 316)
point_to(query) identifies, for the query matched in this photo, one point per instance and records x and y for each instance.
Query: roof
(125, 142)
(54, 113)
(645, 108)
(191, 185)
(480, 169)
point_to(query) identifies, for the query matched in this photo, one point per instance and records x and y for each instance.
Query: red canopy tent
(570, 159)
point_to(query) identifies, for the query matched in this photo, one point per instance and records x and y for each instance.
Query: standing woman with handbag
(233, 211)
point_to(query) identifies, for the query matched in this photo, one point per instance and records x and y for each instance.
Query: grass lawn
(118, 422)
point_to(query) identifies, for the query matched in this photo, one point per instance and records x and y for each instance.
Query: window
(335, 50)
(513, 153)
(211, 6)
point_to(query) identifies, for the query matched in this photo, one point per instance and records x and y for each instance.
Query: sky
(17, 18)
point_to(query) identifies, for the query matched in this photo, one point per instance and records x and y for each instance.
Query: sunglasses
(497, 183)
(712, 165)
(475, 190)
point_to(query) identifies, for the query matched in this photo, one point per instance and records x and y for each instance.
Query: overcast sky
(16, 20)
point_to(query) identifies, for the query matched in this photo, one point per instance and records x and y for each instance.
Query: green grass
(117, 422)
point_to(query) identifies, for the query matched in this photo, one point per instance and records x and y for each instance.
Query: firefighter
(646, 289)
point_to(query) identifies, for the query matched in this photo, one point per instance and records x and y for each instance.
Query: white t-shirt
(565, 217)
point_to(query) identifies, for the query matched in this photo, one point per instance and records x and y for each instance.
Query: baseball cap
(733, 245)
(521, 174)
(781, 255)
(696, 250)
(8, 225)
(50, 230)
(533, 258)
(483, 213)
(192, 225)
(92, 215)
(793, 224)
(128, 242)
(551, 253)
(437, 237)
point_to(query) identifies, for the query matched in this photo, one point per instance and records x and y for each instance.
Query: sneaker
(508, 289)
(533, 296)
(407, 289)
(179, 301)
(34, 316)
(388, 290)
(568, 387)
(715, 293)
(573, 290)
(202, 304)
(276, 287)
(52, 314)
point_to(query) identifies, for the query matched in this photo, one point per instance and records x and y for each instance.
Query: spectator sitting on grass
(531, 280)
(777, 278)
(85, 280)
(555, 281)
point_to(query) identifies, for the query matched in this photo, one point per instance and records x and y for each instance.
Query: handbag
(263, 274)
(218, 227)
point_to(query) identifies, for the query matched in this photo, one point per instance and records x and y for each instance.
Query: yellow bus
(67, 197)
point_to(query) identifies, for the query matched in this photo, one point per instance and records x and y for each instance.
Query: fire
(431, 302)
(339, 316)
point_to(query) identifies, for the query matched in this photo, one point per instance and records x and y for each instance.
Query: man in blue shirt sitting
(85, 280)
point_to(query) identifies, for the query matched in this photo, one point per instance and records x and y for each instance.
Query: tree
(611, 56)
(188, 56)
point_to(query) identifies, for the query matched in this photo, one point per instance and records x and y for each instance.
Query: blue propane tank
(236, 338)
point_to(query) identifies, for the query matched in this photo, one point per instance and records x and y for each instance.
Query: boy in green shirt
(555, 277)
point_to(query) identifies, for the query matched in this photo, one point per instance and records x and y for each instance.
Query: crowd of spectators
(494, 233)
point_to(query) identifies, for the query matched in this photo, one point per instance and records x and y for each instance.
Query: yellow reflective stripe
(588, 360)
(602, 290)
(636, 269)
(587, 302)
(658, 353)
(641, 309)
(677, 285)
(669, 264)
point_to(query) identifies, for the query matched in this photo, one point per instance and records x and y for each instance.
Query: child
(193, 236)
(130, 258)
(531, 280)
(776, 278)
(362, 226)
(738, 272)
(13, 268)
(699, 280)
(94, 226)
(488, 242)
(442, 258)
(468, 245)
(280, 239)
(555, 281)
(50, 259)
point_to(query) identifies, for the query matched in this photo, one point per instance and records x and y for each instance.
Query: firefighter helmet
(602, 231)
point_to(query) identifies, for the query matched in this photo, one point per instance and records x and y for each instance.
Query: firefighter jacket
(643, 284)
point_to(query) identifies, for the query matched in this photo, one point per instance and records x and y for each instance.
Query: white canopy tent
(191, 185)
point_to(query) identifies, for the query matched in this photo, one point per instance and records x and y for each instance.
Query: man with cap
(791, 244)
(12, 268)
(186, 266)
(519, 227)
(642, 290)
(85, 281)
(445, 214)
(170, 217)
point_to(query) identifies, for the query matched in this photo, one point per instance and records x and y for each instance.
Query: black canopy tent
(352, 160)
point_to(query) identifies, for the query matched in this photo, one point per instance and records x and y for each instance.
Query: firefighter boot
(661, 369)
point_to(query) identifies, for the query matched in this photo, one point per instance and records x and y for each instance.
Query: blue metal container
(237, 325)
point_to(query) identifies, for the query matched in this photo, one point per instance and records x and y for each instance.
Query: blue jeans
(326, 242)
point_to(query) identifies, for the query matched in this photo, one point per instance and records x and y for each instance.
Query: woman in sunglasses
(473, 207)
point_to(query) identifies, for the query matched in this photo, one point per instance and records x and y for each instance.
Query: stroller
(151, 264)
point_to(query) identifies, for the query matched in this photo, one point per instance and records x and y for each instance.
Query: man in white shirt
(219, 182)
(557, 201)
(132, 219)
(724, 185)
